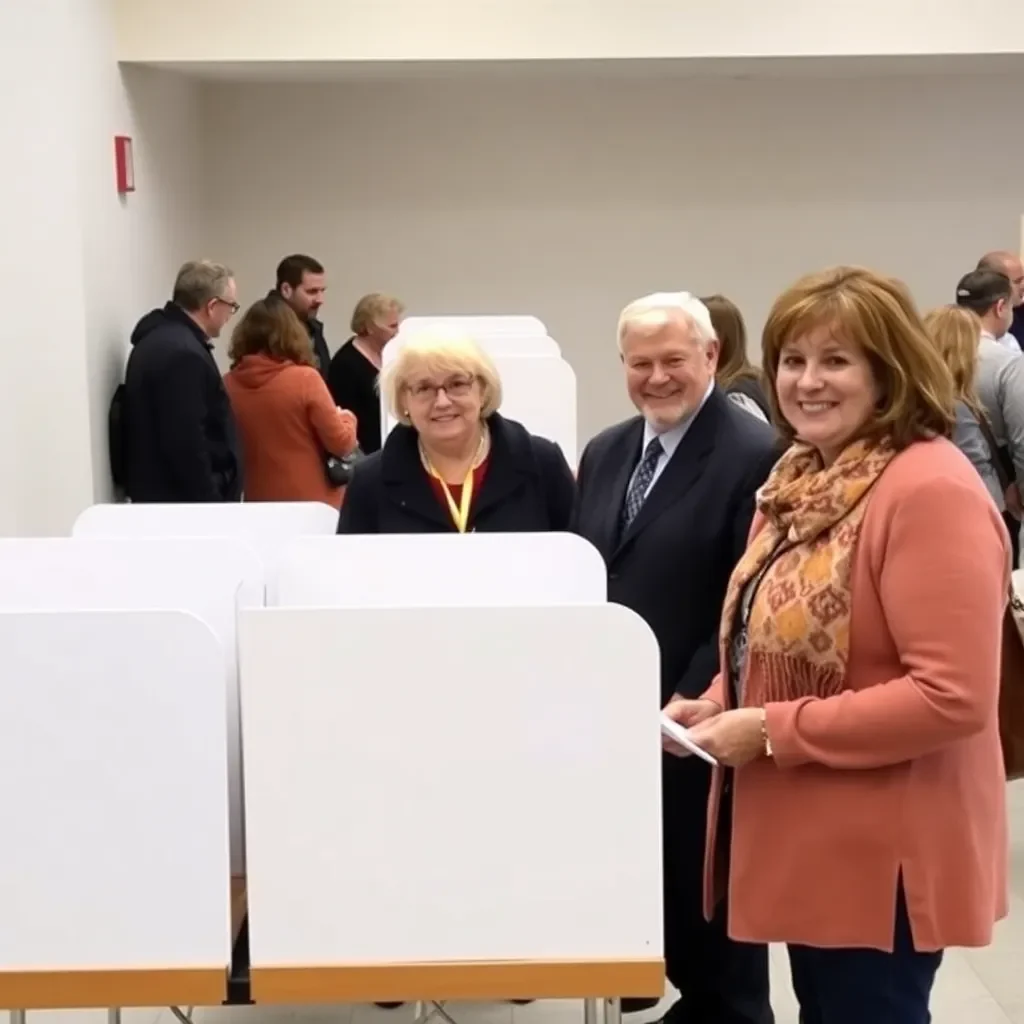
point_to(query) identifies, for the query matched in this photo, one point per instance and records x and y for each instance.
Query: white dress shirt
(1009, 342)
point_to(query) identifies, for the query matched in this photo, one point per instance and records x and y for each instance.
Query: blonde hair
(733, 362)
(370, 308)
(956, 333)
(877, 314)
(439, 352)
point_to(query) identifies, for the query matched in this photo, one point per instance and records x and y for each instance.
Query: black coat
(528, 488)
(673, 563)
(315, 329)
(180, 442)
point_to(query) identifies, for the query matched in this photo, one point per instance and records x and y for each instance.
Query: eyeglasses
(235, 307)
(454, 387)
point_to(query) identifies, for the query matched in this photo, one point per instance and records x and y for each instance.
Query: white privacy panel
(422, 785)
(209, 576)
(433, 570)
(483, 328)
(265, 525)
(114, 806)
(539, 392)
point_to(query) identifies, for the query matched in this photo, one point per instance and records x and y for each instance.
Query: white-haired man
(667, 497)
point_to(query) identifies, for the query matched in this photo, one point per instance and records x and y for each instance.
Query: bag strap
(993, 446)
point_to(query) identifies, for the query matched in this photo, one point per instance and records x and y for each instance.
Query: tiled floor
(976, 987)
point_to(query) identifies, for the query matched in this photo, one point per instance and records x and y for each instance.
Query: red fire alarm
(123, 162)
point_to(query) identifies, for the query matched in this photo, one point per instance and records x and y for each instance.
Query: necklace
(460, 510)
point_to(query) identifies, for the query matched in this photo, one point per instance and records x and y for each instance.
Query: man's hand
(733, 738)
(687, 713)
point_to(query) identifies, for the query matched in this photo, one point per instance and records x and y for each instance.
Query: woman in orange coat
(856, 715)
(286, 417)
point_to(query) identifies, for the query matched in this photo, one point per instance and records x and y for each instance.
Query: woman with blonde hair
(736, 375)
(454, 463)
(860, 787)
(956, 332)
(286, 417)
(354, 370)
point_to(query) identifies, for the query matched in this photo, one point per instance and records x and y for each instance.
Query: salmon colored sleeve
(943, 587)
(335, 428)
(716, 691)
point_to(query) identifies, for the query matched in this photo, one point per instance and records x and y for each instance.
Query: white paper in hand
(681, 735)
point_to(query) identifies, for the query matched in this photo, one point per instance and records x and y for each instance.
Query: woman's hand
(733, 738)
(687, 713)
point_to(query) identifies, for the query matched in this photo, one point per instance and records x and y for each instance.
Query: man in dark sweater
(301, 283)
(180, 443)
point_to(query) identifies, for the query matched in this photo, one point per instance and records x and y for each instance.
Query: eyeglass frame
(461, 386)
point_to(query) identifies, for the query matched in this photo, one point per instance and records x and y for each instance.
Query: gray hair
(662, 308)
(199, 282)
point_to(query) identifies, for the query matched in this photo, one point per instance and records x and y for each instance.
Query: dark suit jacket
(673, 563)
(528, 488)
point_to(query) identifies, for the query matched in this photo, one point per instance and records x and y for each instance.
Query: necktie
(642, 477)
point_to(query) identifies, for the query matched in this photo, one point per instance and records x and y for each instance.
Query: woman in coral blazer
(286, 417)
(856, 713)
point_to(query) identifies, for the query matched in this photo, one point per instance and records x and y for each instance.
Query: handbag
(339, 468)
(1011, 690)
(1011, 668)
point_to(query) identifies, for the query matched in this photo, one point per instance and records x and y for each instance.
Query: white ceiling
(776, 67)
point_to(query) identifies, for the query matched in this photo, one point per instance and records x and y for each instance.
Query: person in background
(667, 498)
(179, 437)
(855, 715)
(355, 367)
(1009, 263)
(737, 376)
(286, 416)
(454, 463)
(301, 282)
(1000, 381)
(956, 333)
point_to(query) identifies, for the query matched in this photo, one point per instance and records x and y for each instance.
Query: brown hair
(369, 308)
(878, 314)
(956, 334)
(271, 326)
(733, 362)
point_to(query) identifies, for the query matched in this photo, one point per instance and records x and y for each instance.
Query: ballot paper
(681, 735)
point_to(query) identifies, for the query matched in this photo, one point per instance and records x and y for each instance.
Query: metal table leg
(613, 1011)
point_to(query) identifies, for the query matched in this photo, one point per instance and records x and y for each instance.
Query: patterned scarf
(798, 634)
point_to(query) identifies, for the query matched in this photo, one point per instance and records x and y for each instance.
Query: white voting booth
(459, 722)
(114, 867)
(117, 683)
(208, 577)
(526, 333)
(266, 526)
(435, 732)
(539, 386)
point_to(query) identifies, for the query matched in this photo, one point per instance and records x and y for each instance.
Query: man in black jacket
(180, 443)
(301, 283)
(667, 497)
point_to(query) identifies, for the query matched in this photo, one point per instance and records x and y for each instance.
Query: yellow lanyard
(460, 512)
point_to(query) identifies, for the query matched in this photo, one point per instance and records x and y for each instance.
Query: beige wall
(568, 196)
(78, 263)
